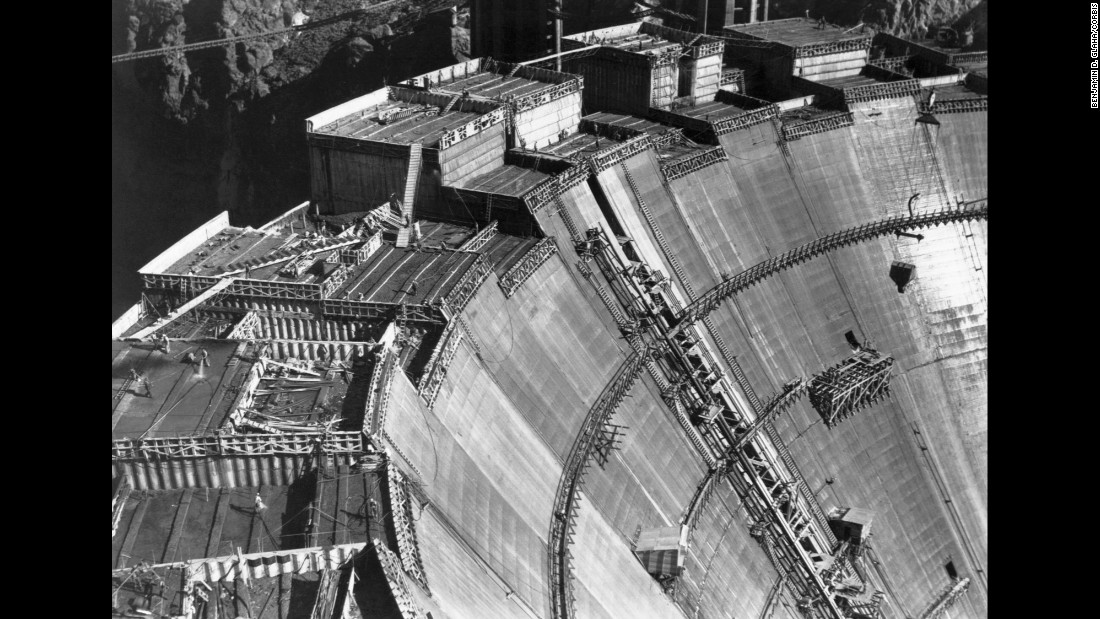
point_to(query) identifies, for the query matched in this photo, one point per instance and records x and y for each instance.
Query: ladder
(123, 389)
(404, 234)
(449, 106)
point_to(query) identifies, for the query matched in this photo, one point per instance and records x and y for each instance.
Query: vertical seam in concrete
(178, 524)
(220, 511)
(132, 532)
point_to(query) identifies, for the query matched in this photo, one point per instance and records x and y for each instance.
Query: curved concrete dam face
(492, 449)
(595, 406)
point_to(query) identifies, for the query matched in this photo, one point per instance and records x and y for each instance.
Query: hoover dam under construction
(662, 324)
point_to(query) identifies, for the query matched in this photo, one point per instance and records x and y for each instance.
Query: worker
(164, 343)
(202, 357)
(412, 288)
(259, 503)
(372, 508)
(932, 99)
(821, 23)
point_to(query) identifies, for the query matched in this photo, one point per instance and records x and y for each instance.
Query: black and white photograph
(552, 309)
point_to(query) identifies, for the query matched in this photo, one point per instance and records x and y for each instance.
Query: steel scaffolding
(853, 384)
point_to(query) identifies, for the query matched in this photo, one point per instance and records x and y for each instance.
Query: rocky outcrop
(906, 18)
(241, 105)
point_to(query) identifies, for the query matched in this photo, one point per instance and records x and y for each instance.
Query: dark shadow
(299, 495)
(302, 595)
(901, 273)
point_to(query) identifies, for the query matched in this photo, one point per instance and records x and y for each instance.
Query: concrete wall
(936, 331)
(898, 156)
(184, 246)
(547, 348)
(664, 84)
(215, 472)
(831, 66)
(708, 74)
(348, 108)
(461, 585)
(962, 141)
(539, 127)
(764, 201)
(474, 156)
(346, 181)
(484, 468)
(612, 85)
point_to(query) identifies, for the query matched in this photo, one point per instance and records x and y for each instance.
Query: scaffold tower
(851, 385)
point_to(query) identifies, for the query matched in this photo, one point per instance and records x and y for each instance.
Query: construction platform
(636, 38)
(318, 509)
(712, 111)
(798, 32)
(490, 80)
(388, 276)
(507, 180)
(402, 122)
(527, 434)
(174, 396)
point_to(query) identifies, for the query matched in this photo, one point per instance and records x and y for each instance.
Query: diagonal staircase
(415, 159)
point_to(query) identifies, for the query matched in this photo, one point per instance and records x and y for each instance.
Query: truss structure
(687, 165)
(713, 298)
(853, 384)
(795, 533)
(527, 265)
(245, 329)
(819, 125)
(395, 579)
(607, 441)
(480, 239)
(436, 371)
(566, 498)
(467, 285)
(882, 90)
(288, 443)
(378, 395)
(946, 599)
(404, 525)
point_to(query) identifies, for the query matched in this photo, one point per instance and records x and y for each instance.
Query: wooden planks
(178, 523)
(219, 521)
(131, 534)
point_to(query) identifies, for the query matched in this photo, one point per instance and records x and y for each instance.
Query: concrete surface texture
(762, 202)
(487, 452)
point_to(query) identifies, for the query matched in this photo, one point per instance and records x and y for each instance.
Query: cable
(180, 49)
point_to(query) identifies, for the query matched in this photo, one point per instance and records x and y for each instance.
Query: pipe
(557, 35)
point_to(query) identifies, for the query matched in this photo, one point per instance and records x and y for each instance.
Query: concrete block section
(491, 477)
(463, 583)
(616, 581)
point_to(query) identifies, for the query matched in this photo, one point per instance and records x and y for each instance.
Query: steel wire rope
(511, 336)
(431, 433)
(767, 153)
(458, 194)
(290, 519)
